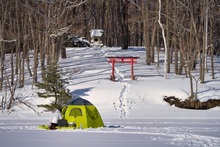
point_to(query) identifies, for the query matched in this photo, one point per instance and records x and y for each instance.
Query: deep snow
(133, 110)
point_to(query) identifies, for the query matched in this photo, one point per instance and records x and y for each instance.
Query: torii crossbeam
(122, 59)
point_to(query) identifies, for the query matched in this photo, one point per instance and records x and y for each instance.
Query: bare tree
(165, 42)
(38, 28)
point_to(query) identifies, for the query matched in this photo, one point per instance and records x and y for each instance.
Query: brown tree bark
(168, 36)
(145, 15)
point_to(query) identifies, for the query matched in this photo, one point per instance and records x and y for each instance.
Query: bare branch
(2, 40)
(74, 5)
(61, 32)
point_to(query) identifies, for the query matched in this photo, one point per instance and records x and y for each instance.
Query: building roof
(96, 33)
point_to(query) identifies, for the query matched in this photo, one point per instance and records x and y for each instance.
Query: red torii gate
(121, 59)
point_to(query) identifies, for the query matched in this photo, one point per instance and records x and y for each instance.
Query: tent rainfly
(82, 113)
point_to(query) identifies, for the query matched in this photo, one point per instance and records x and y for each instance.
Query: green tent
(82, 114)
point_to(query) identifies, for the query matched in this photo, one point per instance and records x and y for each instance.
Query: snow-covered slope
(133, 110)
(126, 98)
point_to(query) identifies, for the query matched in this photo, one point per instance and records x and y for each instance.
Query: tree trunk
(12, 67)
(145, 15)
(108, 24)
(153, 35)
(180, 71)
(34, 45)
(2, 64)
(22, 72)
(123, 22)
(158, 36)
(212, 51)
(168, 37)
(191, 85)
(174, 38)
(18, 43)
(165, 43)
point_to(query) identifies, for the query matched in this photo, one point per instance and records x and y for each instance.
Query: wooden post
(132, 69)
(113, 70)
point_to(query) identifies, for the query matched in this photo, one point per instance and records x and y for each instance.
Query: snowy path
(122, 77)
(118, 133)
(122, 99)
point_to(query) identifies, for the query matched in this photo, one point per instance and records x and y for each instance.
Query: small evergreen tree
(54, 86)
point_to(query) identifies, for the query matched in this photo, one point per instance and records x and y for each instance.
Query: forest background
(34, 33)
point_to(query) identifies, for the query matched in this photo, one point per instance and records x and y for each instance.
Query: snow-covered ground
(133, 111)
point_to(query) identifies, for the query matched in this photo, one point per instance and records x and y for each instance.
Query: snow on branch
(61, 32)
(2, 40)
